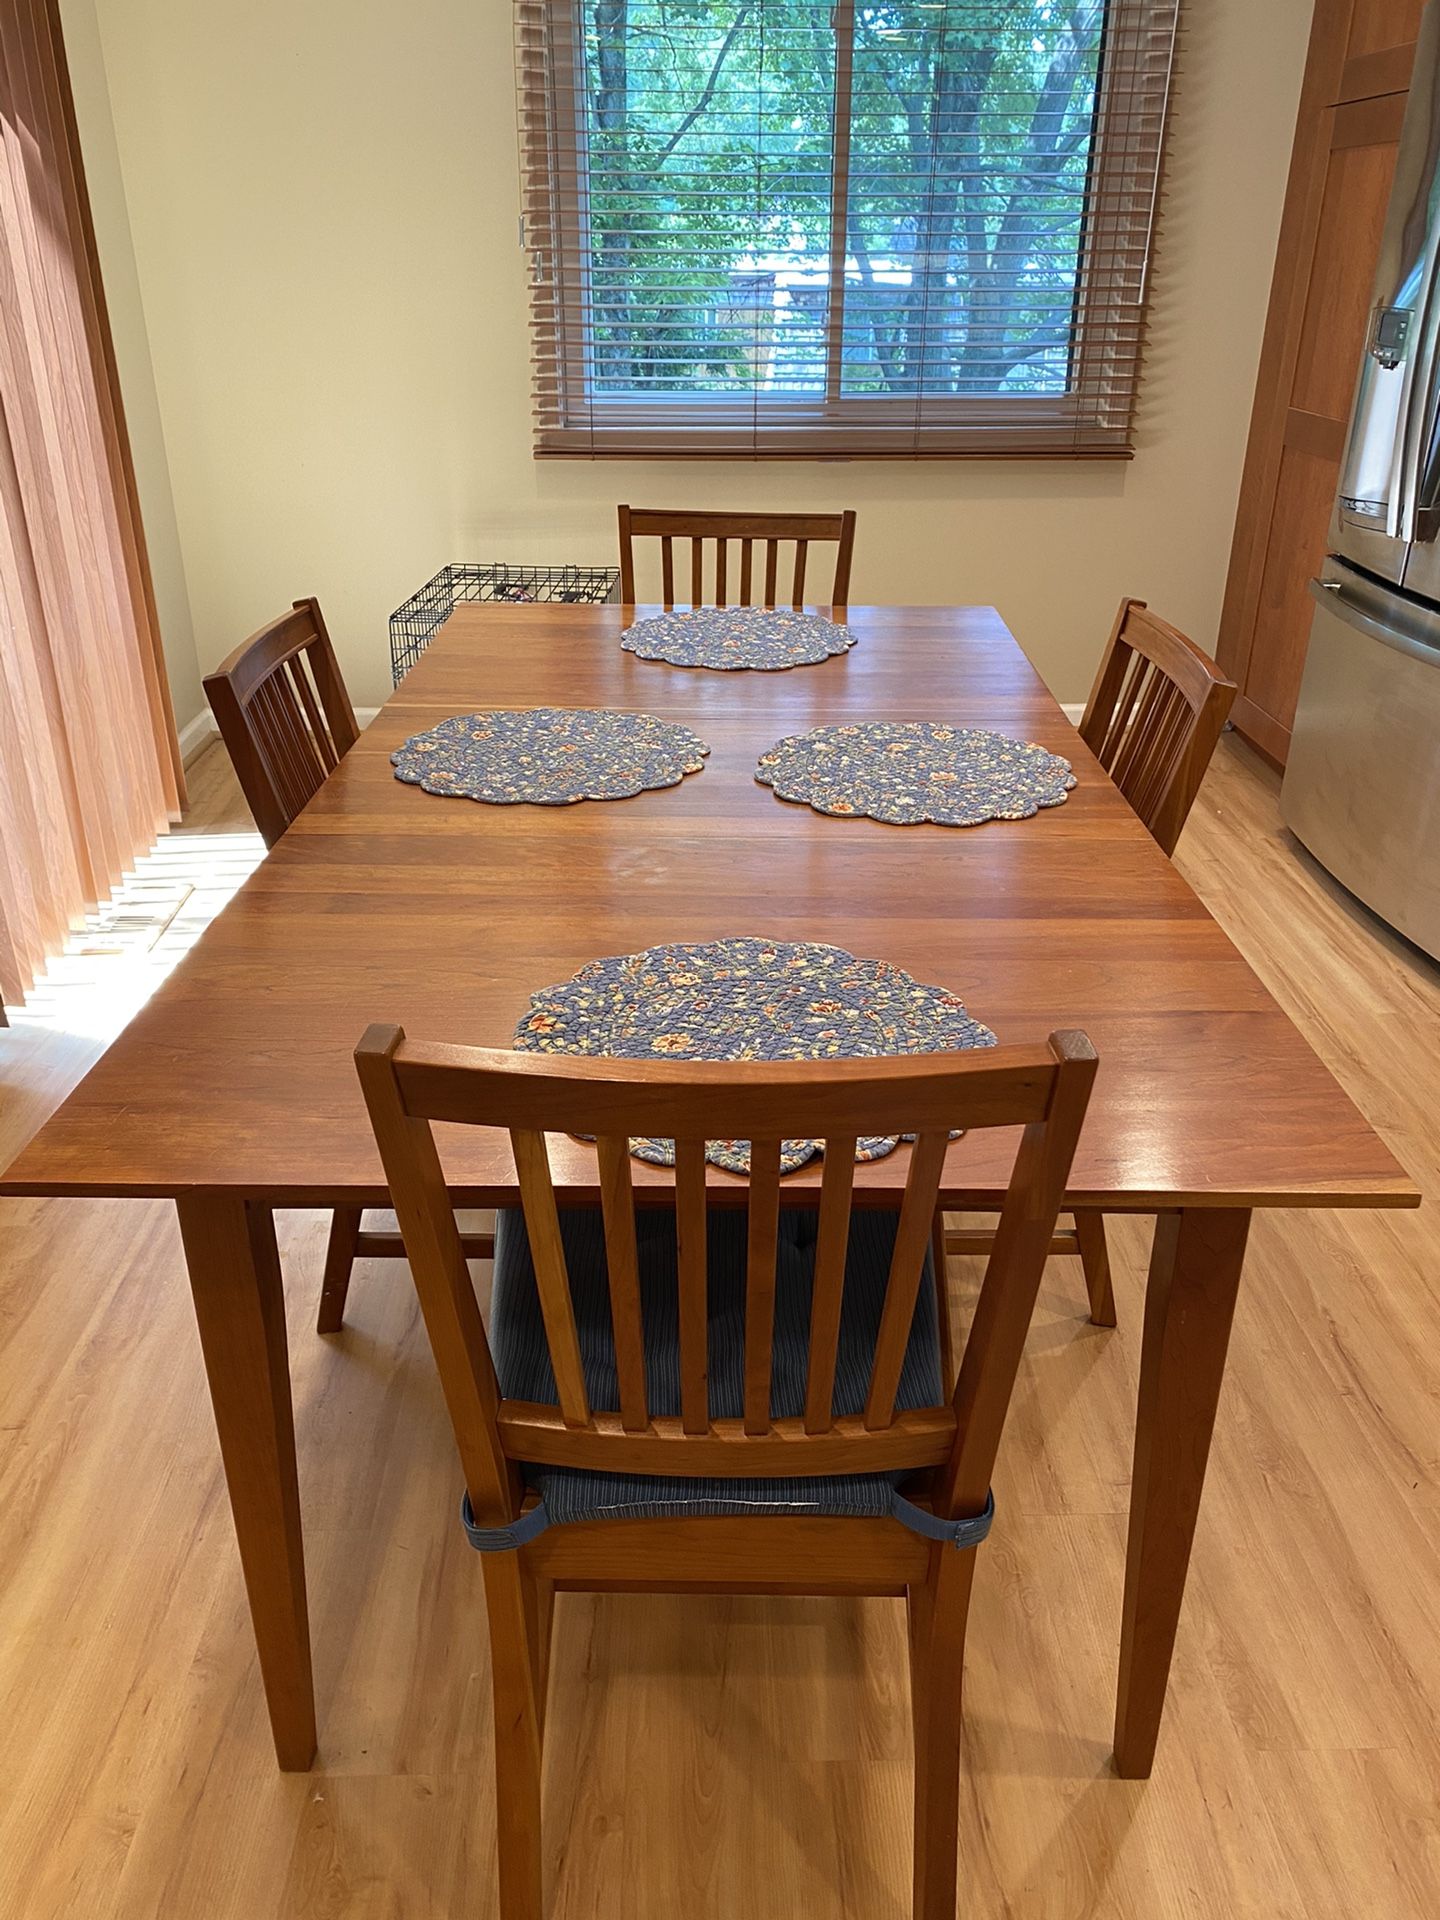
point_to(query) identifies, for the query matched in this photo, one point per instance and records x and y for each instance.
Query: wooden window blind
(816, 227)
(89, 763)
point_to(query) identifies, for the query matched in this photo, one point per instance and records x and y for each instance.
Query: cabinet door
(1379, 25)
(1351, 108)
(1361, 163)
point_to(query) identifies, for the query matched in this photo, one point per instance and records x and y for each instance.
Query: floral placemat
(549, 756)
(765, 638)
(910, 771)
(746, 999)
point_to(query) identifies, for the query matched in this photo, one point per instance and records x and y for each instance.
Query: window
(792, 227)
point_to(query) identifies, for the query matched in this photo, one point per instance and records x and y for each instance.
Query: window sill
(831, 454)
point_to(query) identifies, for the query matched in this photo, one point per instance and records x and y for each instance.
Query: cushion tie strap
(963, 1533)
(516, 1533)
(968, 1532)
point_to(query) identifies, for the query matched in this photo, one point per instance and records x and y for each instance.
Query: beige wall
(322, 198)
(132, 351)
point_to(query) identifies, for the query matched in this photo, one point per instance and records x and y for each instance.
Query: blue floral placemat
(766, 638)
(909, 771)
(549, 756)
(746, 999)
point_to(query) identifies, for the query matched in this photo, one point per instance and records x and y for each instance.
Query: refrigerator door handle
(1403, 506)
(1331, 595)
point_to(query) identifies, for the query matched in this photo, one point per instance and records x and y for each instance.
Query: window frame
(1091, 420)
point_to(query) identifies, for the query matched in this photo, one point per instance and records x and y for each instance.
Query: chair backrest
(284, 715)
(1154, 715)
(1043, 1089)
(754, 586)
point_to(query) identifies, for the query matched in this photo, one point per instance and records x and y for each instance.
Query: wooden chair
(743, 530)
(1155, 713)
(283, 712)
(696, 1345)
(284, 715)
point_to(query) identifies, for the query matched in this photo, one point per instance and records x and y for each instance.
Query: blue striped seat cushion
(522, 1359)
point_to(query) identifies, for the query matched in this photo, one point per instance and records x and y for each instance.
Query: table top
(384, 902)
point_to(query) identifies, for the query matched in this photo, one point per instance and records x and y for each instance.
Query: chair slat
(1124, 754)
(320, 733)
(772, 564)
(1145, 774)
(945, 1319)
(907, 1265)
(262, 742)
(828, 1292)
(745, 546)
(307, 750)
(667, 571)
(1133, 757)
(617, 1205)
(760, 1255)
(300, 752)
(720, 571)
(285, 764)
(1133, 678)
(1169, 756)
(797, 589)
(547, 1250)
(1169, 750)
(697, 573)
(694, 1286)
(840, 585)
(627, 560)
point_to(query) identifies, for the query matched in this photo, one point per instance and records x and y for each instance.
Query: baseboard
(1074, 712)
(1262, 730)
(197, 734)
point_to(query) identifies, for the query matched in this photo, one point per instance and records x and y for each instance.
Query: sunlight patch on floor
(126, 948)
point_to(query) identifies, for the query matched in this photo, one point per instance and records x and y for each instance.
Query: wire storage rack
(413, 626)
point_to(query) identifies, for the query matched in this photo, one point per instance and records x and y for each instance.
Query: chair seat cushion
(522, 1359)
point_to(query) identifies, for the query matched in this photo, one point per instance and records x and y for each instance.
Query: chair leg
(942, 1303)
(517, 1737)
(937, 1615)
(339, 1259)
(1095, 1258)
(539, 1624)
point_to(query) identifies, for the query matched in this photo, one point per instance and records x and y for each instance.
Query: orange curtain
(89, 763)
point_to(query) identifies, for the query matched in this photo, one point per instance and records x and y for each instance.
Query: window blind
(90, 768)
(822, 228)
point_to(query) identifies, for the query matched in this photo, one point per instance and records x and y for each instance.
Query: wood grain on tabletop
(387, 903)
(750, 1757)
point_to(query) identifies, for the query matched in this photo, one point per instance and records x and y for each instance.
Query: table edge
(1386, 1194)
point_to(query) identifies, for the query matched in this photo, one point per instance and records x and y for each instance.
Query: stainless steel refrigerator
(1362, 785)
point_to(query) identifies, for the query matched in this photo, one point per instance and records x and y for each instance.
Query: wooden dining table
(233, 1092)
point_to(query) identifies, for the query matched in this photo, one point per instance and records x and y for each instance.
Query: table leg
(1189, 1305)
(240, 1306)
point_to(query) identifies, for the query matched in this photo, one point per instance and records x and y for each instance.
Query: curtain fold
(90, 768)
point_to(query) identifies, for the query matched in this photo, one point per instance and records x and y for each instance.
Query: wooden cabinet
(1351, 107)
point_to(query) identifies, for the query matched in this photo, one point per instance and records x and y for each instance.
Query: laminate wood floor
(739, 1757)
